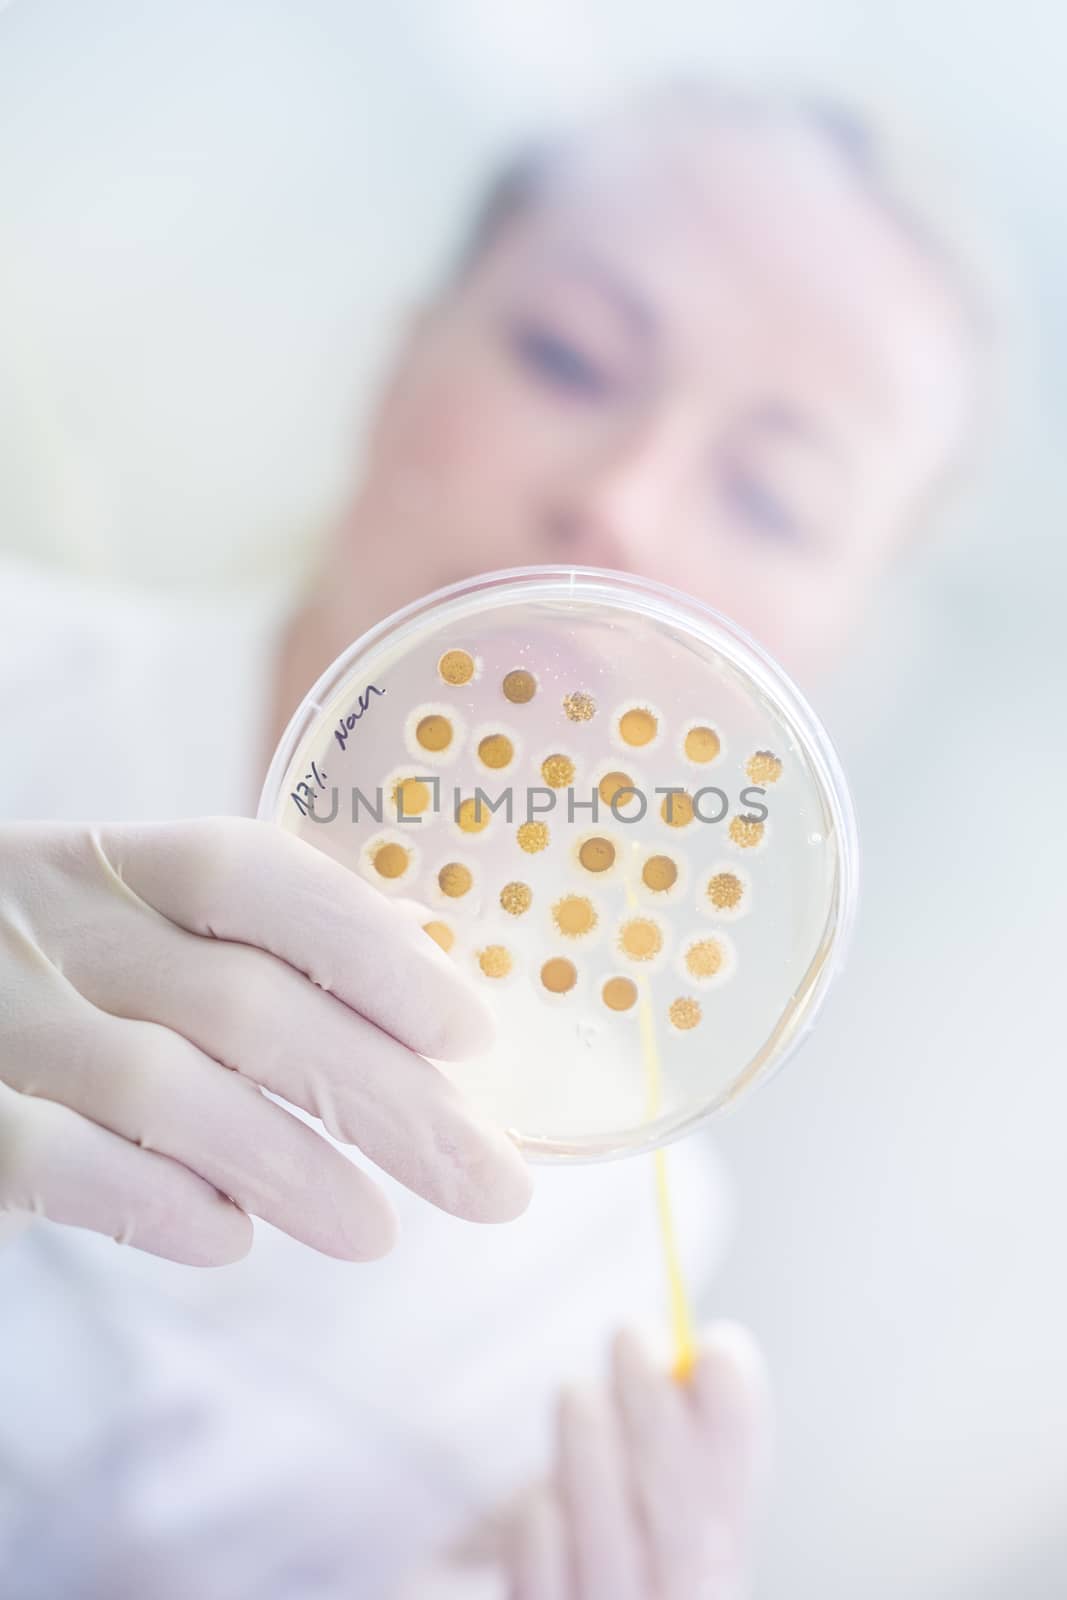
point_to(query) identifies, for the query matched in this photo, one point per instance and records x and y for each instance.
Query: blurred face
(708, 357)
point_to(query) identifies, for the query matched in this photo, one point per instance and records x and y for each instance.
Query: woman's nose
(613, 507)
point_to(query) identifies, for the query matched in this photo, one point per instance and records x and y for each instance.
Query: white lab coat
(291, 1425)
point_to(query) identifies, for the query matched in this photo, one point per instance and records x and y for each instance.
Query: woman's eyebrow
(630, 304)
(784, 421)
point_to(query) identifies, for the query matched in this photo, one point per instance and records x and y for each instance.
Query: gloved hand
(154, 978)
(653, 1485)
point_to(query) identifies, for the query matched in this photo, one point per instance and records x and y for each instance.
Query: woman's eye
(560, 362)
(759, 507)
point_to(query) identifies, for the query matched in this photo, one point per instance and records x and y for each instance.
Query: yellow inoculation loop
(680, 1316)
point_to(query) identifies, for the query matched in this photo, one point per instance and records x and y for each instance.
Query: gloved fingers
(262, 1018)
(691, 1448)
(252, 883)
(538, 1558)
(659, 1453)
(155, 1089)
(56, 1164)
(604, 1539)
(730, 1400)
(703, 1556)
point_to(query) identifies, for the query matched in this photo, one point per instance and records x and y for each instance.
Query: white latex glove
(653, 1485)
(153, 978)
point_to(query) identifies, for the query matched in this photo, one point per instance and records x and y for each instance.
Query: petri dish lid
(619, 817)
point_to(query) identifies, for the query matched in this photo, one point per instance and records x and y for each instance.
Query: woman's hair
(865, 151)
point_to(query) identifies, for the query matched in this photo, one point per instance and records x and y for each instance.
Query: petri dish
(616, 814)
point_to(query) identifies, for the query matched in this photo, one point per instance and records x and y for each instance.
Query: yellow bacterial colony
(638, 726)
(705, 958)
(574, 916)
(579, 706)
(725, 891)
(391, 860)
(596, 854)
(516, 898)
(641, 939)
(702, 745)
(495, 960)
(434, 733)
(559, 975)
(557, 771)
(659, 874)
(764, 767)
(746, 832)
(455, 880)
(473, 815)
(456, 667)
(533, 837)
(519, 687)
(496, 751)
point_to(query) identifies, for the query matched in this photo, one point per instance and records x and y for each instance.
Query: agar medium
(615, 813)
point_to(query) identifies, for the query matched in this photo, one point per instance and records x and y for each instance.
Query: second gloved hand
(654, 1482)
